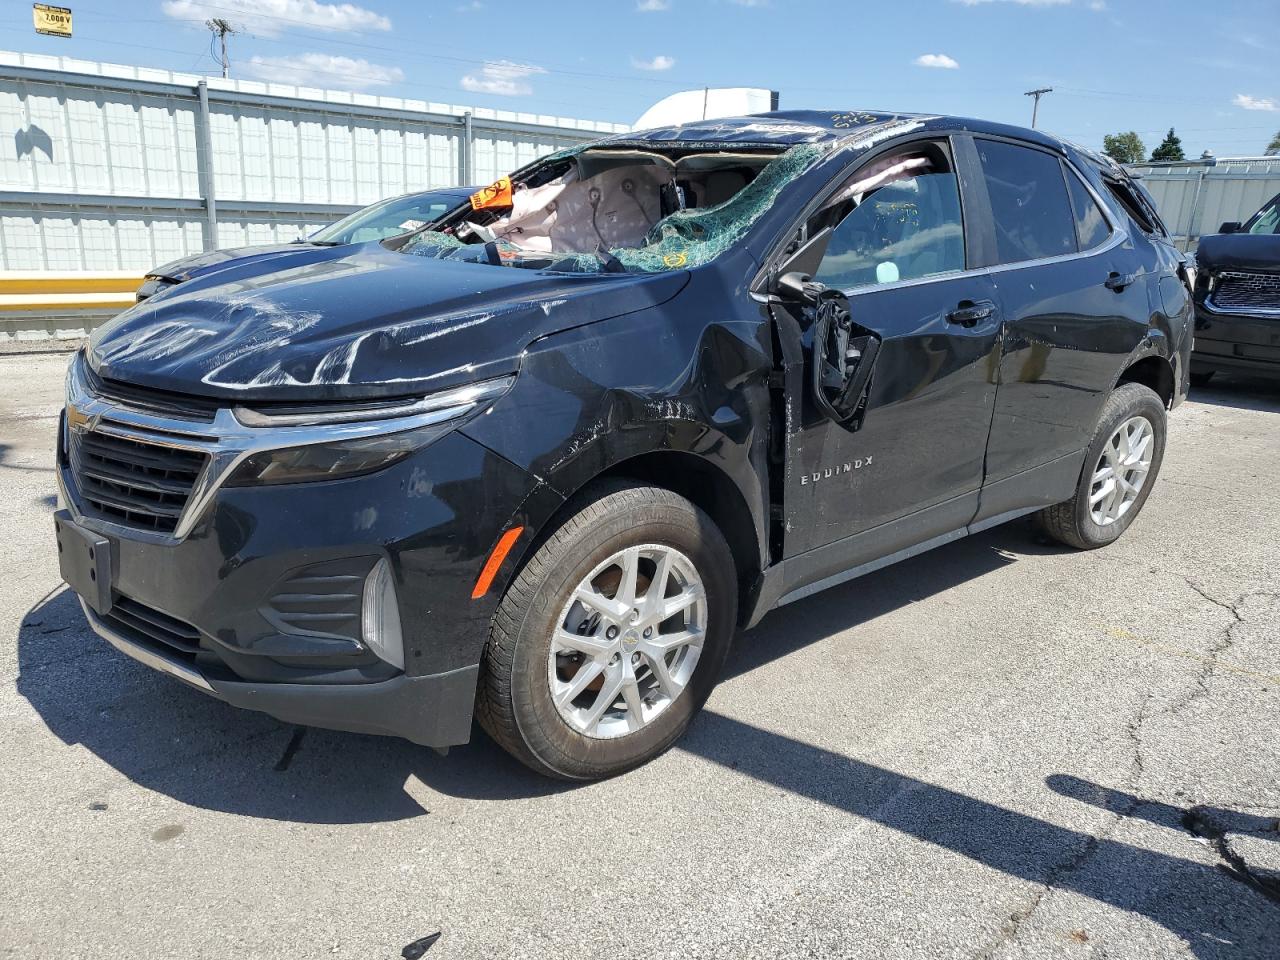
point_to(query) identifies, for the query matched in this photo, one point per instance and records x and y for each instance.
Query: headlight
(329, 461)
(327, 443)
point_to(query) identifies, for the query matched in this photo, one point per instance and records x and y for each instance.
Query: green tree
(1124, 147)
(1170, 148)
(1273, 148)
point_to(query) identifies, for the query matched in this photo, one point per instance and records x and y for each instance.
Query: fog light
(380, 616)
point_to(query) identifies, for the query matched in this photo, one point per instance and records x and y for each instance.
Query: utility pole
(1035, 109)
(221, 28)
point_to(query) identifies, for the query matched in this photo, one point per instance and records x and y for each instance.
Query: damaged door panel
(917, 384)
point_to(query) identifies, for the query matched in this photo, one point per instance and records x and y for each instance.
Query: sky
(1208, 70)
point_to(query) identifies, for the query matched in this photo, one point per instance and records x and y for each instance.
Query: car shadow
(149, 726)
(1170, 890)
(1241, 392)
(6, 462)
(179, 742)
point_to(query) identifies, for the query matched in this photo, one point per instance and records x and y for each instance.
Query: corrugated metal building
(115, 169)
(1196, 196)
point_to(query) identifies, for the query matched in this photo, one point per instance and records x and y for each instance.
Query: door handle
(969, 312)
(1118, 281)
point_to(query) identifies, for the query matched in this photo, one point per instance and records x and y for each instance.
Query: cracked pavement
(998, 749)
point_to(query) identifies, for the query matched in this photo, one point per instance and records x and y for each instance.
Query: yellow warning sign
(497, 194)
(52, 21)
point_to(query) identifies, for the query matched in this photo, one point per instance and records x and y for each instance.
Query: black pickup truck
(538, 462)
(1237, 298)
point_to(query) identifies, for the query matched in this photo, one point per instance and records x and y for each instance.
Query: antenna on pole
(220, 29)
(1035, 108)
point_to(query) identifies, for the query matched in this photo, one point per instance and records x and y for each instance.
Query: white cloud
(271, 17)
(323, 70)
(751, 3)
(660, 62)
(1098, 5)
(939, 60)
(652, 6)
(1246, 102)
(502, 78)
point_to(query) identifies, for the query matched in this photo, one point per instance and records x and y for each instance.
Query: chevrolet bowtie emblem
(79, 420)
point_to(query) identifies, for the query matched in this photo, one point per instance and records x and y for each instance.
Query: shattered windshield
(618, 209)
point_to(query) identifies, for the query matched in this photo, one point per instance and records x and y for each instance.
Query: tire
(1074, 522)
(515, 701)
(1201, 378)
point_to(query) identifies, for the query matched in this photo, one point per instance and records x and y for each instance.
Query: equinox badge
(826, 474)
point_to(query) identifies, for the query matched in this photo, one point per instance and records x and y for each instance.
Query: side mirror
(1231, 226)
(800, 266)
(797, 286)
(843, 357)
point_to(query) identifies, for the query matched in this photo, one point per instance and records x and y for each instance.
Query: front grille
(1239, 291)
(132, 482)
(141, 624)
(162, 402)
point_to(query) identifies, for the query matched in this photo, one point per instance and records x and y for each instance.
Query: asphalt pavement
(998, 749)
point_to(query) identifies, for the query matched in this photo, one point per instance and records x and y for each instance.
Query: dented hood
(374, 323)
(1239, 251)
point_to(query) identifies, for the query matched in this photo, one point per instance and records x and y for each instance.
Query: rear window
(1091, 225)
(1132, 205)
(1029, 205)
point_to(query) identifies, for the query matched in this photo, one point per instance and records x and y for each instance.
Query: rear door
(1072, 288)
(900, 256)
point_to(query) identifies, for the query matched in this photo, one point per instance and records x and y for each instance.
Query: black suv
(540, 461)
(1237, 298)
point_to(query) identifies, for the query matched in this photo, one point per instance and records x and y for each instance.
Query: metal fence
(1195, 197)
(106, 167)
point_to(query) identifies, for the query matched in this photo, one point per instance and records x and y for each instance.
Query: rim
(627, 642)
(1121, 471)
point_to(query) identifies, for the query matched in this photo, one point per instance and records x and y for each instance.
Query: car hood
(374, 323)
(199, 264)
(1239, 251)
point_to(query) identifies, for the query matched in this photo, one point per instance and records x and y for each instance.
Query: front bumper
(1230, 342)
(434, 710)
(205, 608)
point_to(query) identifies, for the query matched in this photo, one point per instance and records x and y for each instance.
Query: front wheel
(611, 637)
(1119, 471)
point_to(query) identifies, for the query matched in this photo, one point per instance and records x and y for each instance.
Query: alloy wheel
(1121, 471)
(628, 640)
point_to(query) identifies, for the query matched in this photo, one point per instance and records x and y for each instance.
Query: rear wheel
(611, 637)
(1120, 469)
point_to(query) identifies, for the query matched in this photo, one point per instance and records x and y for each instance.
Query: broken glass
(628, 209)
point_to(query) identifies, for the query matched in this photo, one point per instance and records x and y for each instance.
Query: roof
(783, 127)
(789, 127)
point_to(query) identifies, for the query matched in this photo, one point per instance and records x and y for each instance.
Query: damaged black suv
(538, 461)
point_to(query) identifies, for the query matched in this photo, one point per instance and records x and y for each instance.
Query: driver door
(908, 466)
